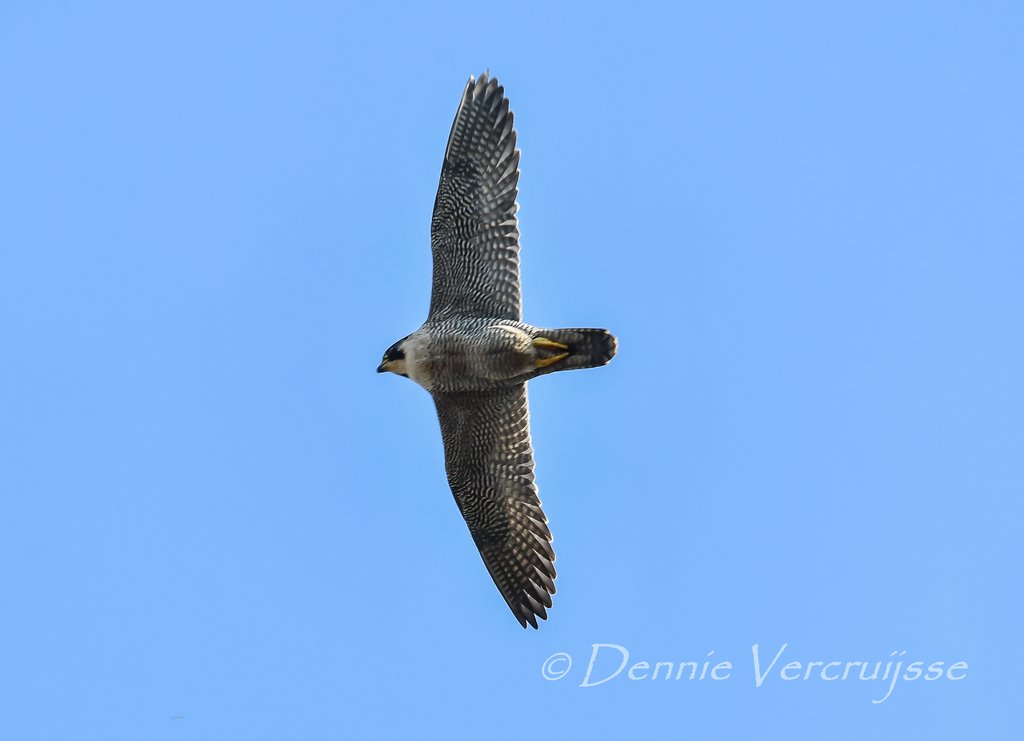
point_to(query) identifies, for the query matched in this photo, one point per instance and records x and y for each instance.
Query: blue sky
(804, 224)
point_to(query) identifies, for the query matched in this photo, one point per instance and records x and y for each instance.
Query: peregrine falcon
(474, 354)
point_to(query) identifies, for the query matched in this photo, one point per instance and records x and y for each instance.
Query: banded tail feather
(587, 348)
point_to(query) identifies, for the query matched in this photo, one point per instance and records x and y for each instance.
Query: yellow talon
(545, 362)
(550, 345)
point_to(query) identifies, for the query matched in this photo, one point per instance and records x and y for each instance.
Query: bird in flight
(474, 354)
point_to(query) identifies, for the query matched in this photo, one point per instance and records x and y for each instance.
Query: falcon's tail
(583, 348)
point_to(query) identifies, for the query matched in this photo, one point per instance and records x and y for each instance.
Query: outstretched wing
(474, 233)
(489, 461)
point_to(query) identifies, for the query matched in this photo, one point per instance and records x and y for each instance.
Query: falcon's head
(394, 359)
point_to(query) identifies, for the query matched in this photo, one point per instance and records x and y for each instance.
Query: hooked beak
(382, 367)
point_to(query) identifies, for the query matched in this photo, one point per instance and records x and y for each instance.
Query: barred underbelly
(472, 358)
